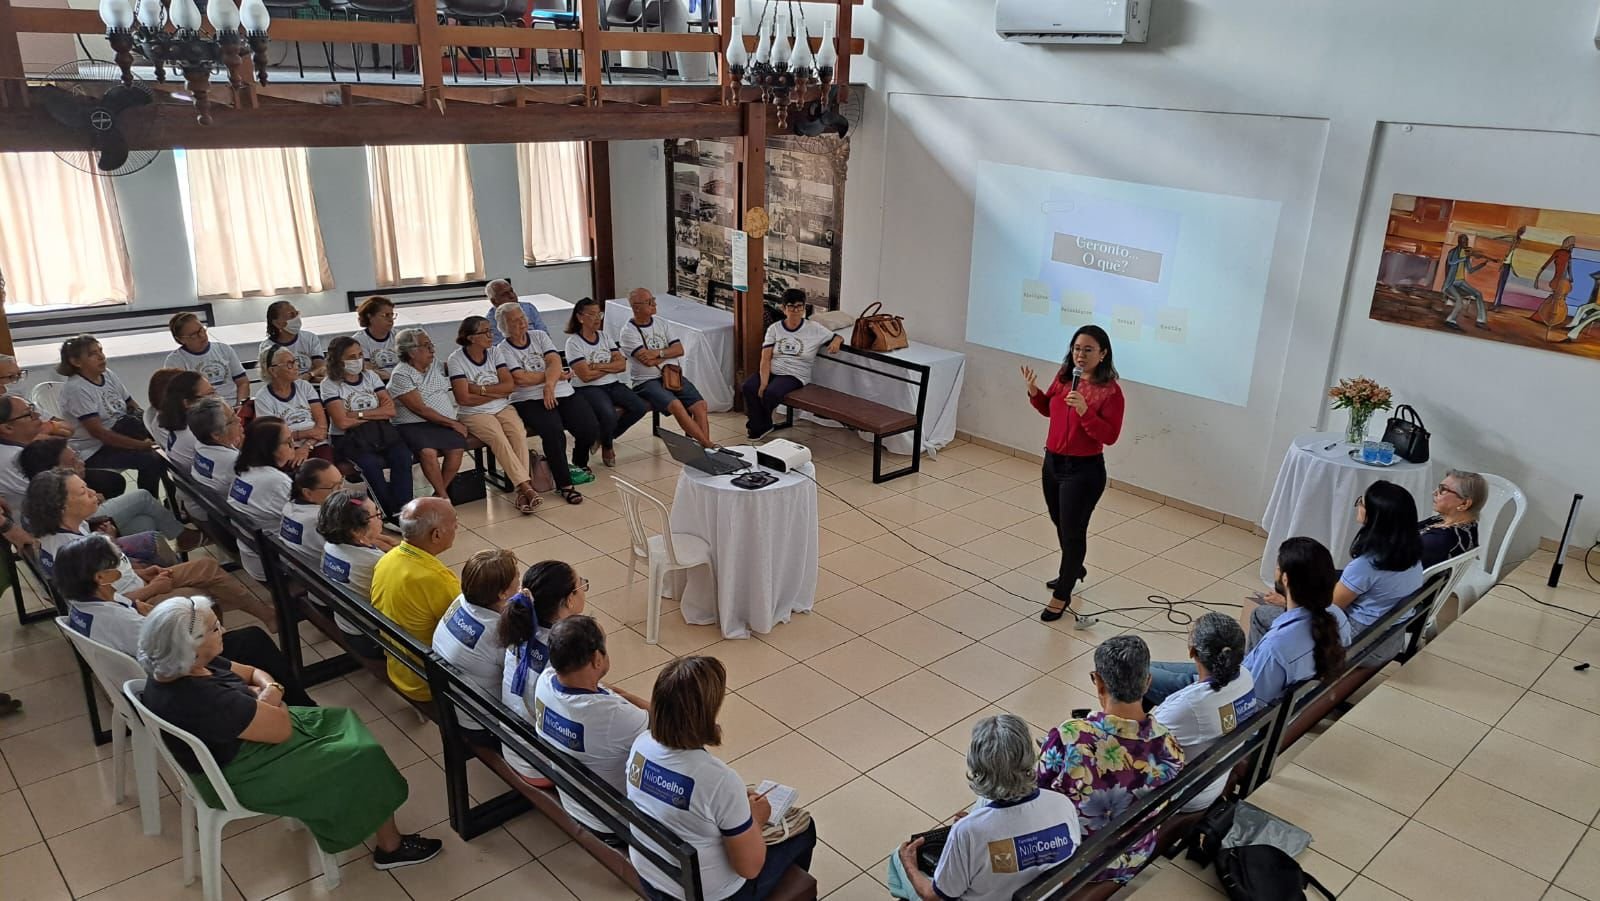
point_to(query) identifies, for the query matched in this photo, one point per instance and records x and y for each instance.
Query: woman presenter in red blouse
(1085, 404)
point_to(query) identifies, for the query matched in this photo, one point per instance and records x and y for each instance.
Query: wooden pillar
(602, 263)
(11, 71)
(841, 74)
(430, 52)
(589, 35)
(5, 327)
(747, 306)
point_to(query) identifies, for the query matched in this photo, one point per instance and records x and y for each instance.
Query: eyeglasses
(10, 379)
(29, 411)
(198, 333)
(1361, 501)
(798, 304)
(583, 584)
(478, 334)
(1442, 488)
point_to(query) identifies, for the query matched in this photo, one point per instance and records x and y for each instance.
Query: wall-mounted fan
(73, 98)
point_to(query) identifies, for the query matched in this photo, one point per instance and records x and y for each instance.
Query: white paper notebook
(781, 797)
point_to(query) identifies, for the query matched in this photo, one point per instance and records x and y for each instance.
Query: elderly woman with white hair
(318, 765)
(1038, 829)
(425, 412)
(545, 400)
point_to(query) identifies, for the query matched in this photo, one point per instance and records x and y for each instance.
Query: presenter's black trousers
(1072, 486)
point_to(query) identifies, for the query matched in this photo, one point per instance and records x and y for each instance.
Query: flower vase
(1356, 430)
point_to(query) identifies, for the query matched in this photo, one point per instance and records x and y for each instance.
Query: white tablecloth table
(707, 336)
(947, 370)
(764, 549)
(134, 356)
(1316, 492)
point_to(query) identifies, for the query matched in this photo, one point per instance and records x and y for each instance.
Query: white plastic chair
(113, 668)
(1458, 567)
(663, 554)
(47, 397)
(1477, 581)
(211, 820)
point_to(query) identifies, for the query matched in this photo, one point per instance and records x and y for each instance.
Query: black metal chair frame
(924, 374)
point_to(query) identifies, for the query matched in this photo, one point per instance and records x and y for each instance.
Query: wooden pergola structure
(344, 114)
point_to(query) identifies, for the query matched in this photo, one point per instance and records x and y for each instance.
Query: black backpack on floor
(1264, 873)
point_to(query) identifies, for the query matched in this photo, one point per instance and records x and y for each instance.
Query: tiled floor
(1473, 772)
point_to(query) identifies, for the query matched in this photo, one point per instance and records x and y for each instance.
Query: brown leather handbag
(672, 377)
(879, 331)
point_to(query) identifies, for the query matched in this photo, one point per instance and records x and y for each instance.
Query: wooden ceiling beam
(171, 124)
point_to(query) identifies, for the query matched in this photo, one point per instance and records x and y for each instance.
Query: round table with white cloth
(1316, 492)
(764, 549)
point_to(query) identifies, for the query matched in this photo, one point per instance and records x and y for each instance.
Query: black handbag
(1408, 435)
(933, 842)
(371, 437)
(466, 487)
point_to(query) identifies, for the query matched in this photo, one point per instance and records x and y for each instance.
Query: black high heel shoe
(1083, 575)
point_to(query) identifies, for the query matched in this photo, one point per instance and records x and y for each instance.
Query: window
(555, 211)
(60, 235)
(252, 223)
(424, 228)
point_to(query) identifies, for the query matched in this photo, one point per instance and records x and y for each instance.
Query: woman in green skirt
(318, 765)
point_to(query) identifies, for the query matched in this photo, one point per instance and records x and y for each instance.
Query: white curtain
(253, 223)
(555, 209)
(424, 227)
(60, 235)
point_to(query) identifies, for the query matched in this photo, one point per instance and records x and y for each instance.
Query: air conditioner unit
(1073, 21)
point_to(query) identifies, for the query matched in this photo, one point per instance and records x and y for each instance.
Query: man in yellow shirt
(411, 586)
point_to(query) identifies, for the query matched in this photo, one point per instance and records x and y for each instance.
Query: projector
(783, 455)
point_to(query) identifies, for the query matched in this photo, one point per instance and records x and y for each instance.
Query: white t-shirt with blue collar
(698, 798)
(468, 638)
(217, 364)
(794, 351)
(596, 728)
(1004, 845)
(521, 702)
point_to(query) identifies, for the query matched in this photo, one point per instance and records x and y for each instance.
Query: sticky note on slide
(1172, 325)
(1077, 308)
(1035, 297)
(1127, 322)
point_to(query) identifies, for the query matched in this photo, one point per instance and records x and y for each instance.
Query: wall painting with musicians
(1521, 275)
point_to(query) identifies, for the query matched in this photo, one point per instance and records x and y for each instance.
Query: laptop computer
(688, 451)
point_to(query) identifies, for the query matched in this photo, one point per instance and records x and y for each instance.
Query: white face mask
(352, 367)
(292, 326)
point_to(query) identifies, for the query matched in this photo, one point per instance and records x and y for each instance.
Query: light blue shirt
(1284, 655)
(1377, 590)
(534, 322)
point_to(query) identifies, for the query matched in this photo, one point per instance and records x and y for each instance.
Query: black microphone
(1077, 373)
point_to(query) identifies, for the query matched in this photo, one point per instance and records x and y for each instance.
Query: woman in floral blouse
(1108, 760)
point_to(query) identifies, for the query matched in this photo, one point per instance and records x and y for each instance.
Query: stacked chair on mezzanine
(203, 823)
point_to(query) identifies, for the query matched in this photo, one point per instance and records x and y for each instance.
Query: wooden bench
(881, 420)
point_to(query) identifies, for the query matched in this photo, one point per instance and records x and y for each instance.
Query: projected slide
(1177, 278)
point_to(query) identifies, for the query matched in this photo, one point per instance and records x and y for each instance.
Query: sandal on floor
(527, 502)
(571, 495)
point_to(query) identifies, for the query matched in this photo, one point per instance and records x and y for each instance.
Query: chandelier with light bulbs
(781, 71)
(184, 46)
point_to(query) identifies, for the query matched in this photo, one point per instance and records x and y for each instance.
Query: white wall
(1506, 79)
(639, 215)
(158, 246)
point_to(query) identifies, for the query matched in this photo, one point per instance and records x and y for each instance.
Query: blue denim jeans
(1167, 678)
